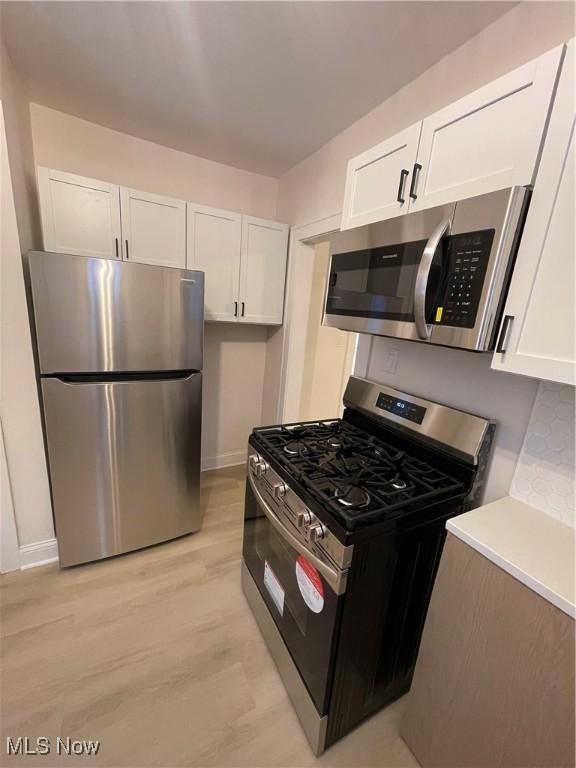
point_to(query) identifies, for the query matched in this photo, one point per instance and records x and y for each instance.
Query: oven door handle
(335, 578)
(421, 284)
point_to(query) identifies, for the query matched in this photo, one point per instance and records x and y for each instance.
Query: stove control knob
(279, 490)
(303, 518)
(259, 466)
(316, 532)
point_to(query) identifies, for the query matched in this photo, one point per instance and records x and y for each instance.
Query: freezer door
(99, 315)
(124, 461)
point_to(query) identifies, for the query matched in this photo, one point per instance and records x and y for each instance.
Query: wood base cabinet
(494, 680)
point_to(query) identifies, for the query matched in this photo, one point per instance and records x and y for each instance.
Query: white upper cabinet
(243, 259)
(214, 240)
(537, 333)
(79, 215)
(153, 228)
(487, 140)
(378, 180)
(263, 271)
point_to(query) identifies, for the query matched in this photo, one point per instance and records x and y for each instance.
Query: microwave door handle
(336, 579)
(421, 283)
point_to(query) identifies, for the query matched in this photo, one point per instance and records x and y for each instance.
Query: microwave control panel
(468, 255)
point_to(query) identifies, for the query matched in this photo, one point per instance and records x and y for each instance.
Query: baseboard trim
(231, 459)
(38, 553)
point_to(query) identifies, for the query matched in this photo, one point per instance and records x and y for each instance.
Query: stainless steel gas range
(344, 527)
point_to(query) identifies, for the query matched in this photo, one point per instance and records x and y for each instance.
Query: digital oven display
(401, 408)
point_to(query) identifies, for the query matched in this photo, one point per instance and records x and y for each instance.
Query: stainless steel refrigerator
(120, 356)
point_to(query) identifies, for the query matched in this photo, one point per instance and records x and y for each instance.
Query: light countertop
(536, 549)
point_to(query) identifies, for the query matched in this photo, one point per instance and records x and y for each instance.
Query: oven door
(302, 592)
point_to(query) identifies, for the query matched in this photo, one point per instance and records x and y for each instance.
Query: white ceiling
(257, 85)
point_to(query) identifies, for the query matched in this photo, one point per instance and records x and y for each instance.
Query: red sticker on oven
(310, 584)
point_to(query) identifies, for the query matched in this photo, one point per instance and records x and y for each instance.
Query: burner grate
(355, 475)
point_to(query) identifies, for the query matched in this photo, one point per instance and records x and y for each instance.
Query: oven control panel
(291, 512)
(468, 255)
(403, 408)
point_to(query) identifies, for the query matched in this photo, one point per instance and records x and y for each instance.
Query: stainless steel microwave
(438, 276)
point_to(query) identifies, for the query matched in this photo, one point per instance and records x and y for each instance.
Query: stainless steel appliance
(120, 356)
(344, 527)
(438, 276)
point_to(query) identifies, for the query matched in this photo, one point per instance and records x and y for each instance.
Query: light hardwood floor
(157, 656)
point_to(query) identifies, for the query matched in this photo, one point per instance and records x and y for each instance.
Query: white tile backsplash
(545, 473)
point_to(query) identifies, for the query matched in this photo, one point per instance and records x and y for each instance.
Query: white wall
(314, 190)
(234, 364)
(234, 355)
(545, 475)
(328, 354)
(463, 380)
(21, 423)
(70, 144)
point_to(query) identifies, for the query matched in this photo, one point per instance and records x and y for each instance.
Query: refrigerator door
(102, 315)
(124, 462)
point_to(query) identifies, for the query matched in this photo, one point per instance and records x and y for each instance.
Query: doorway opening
(329, 353)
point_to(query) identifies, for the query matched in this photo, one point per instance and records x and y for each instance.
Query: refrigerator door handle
(74, 379)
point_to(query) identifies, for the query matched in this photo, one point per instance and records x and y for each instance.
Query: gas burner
(296, 448)
(396, 486)
(318, 433)
(387, 453)
(352, 496)
(354, 474)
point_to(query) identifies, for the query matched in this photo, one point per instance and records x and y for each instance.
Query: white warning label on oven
(274, 587)
(310, 584)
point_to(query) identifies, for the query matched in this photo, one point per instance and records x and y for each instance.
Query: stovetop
(356, 476)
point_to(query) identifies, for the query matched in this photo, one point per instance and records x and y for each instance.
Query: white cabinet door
(538, 336)
(489, 139)
(263, 271)
(79, 215)
(378, 180)
(213, 246)
(153, 228)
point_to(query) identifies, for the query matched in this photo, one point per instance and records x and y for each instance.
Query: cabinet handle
(235, 309)
(242, 309)
(415, 176)
(503, 333)
(127, 253)
(116, 246)
(402, 186)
